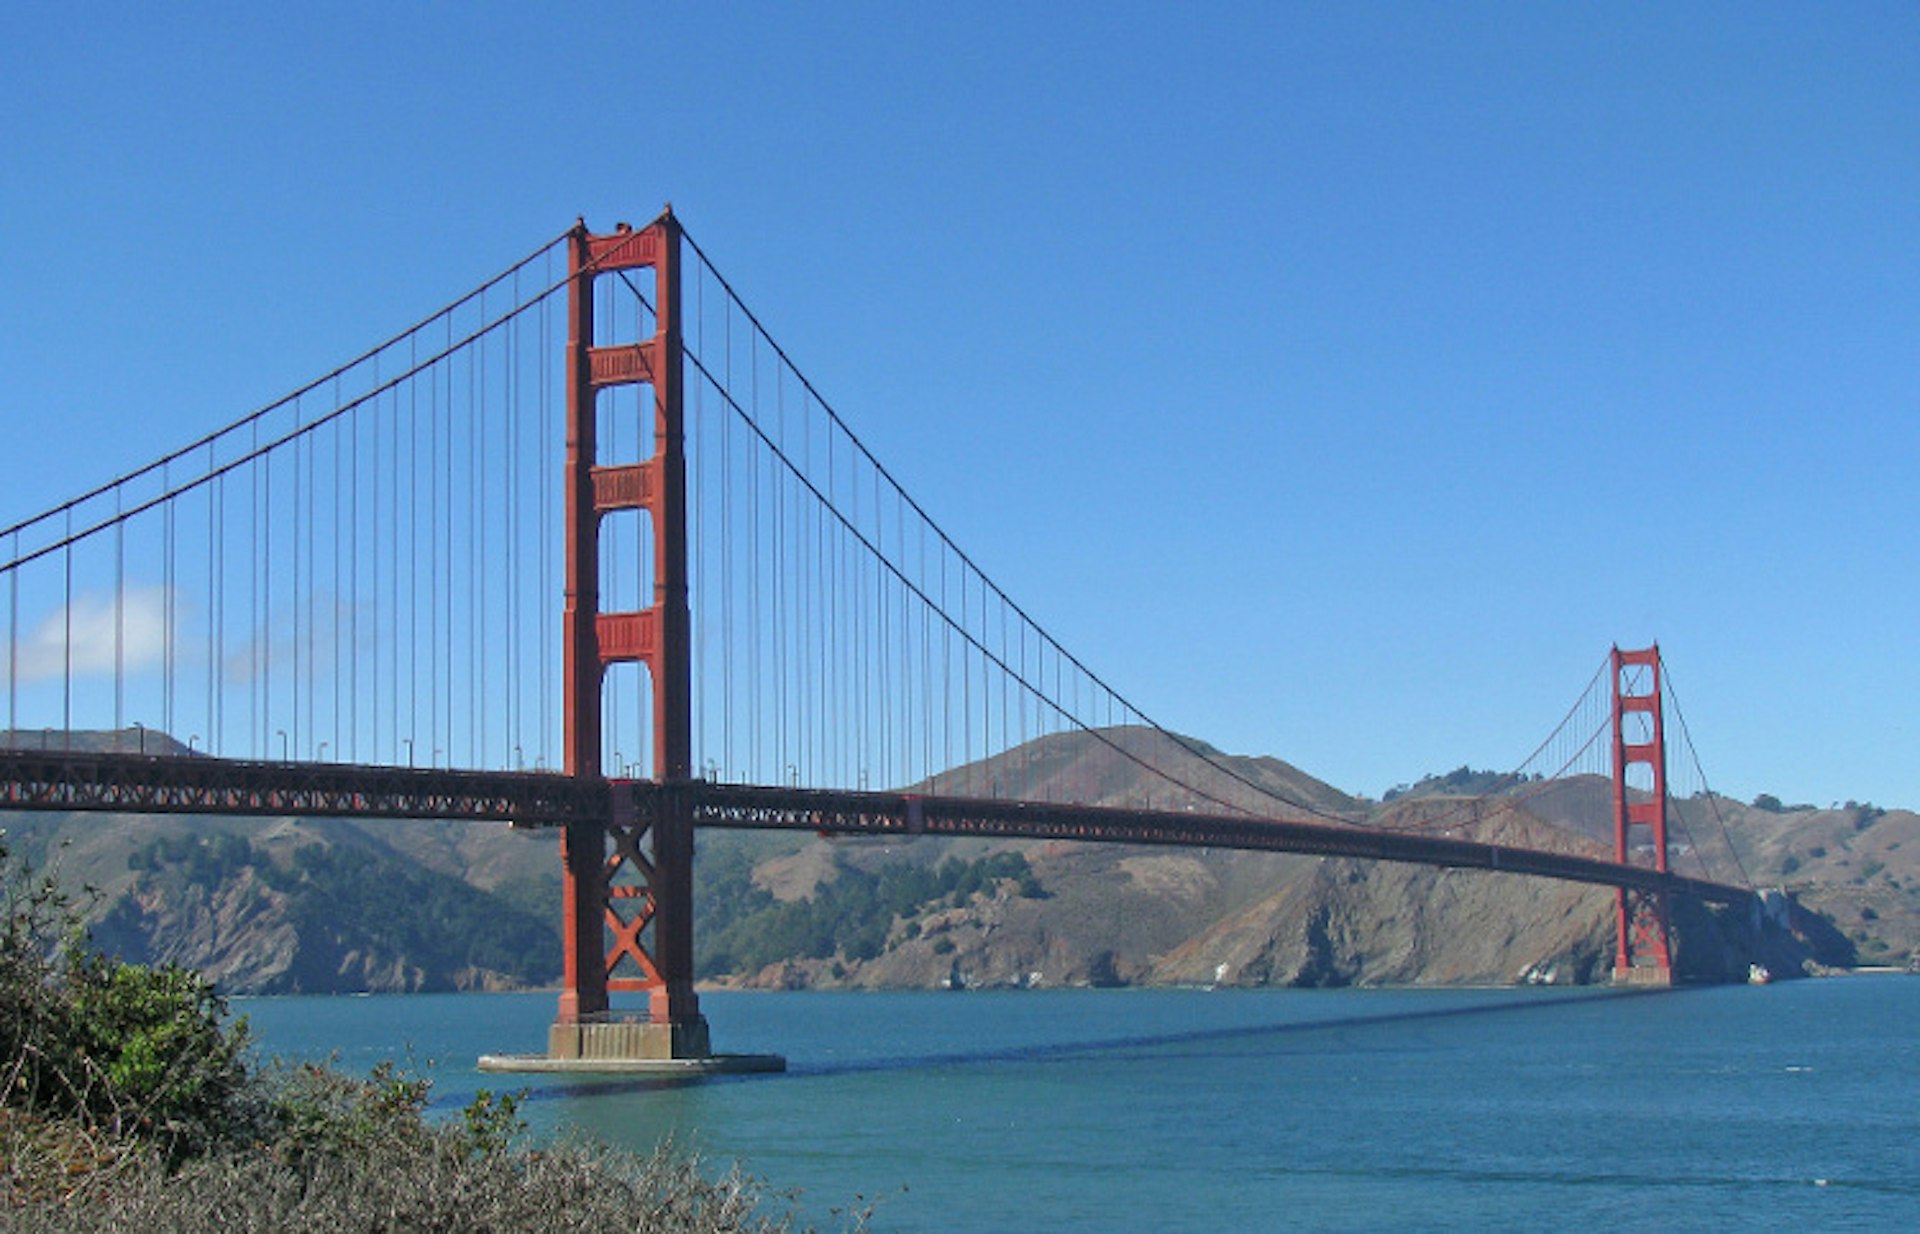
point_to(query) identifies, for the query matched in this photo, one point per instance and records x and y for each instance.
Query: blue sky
(1340, 380)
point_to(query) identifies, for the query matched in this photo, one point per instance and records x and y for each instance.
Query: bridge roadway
(202, 784)
(187, 784)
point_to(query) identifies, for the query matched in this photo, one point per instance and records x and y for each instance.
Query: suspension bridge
(585, 550)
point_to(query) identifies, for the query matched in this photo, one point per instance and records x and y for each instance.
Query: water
(1796, 1105)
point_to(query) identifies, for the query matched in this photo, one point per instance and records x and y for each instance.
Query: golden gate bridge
(585, 550)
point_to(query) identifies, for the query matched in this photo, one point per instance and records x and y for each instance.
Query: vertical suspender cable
(342, 614)
(297, 528)
(13, 645)
(375, 534)
(446, 521)
(353, 581)
(119, 614)
(216, 608)
(548, 593)
(698, 447)
(513, 583)
(66, 644)
(413, 539)
(262, 599)
(883, 639)
(398, 617)
(313, 588)
(756, 704)
(782, 632)
(482, 537)
(726, 557)
(437, 519)
(476, 378)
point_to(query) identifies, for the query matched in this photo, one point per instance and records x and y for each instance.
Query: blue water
(1795, 1105)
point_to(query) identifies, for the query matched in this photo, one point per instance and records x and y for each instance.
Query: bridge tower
(1644, 954)
(628, 879)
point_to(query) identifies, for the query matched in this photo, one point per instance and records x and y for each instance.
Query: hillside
(288, 906)
(309, 905)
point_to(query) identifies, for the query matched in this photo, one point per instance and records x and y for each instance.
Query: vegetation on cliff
(346, 902)
(742, 928)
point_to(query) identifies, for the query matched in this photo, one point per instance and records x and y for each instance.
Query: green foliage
(206, 861)
(740, 928)
(370, 902)
(1462, 780)
(159, 1039)
(126, 1103)
(119, 1048)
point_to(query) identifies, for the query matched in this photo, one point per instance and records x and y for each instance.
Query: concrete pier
(632, 1047)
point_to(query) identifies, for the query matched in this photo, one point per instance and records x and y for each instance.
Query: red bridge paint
(1644, 952)
(629, 874)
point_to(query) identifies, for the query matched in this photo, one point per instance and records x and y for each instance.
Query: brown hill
(267, 917)
(1117, 914)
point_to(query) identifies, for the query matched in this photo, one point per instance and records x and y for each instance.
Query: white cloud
(93, 636)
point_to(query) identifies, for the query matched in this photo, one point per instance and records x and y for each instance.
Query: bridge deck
(903, 814)
(177, 784)
(149, 784)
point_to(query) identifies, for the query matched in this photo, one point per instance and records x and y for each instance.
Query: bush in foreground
(127, 1102)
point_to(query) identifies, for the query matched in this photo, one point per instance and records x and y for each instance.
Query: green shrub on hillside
(117, 1049)
(742, 929)
(340, 898)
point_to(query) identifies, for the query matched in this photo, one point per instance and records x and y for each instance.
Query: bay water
(1790, 1106)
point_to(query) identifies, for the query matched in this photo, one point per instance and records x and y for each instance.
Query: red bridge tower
(1644, 954)
(628, 889)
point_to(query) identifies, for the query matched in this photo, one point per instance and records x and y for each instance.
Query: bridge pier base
(628, 1038)
(627, 888)
(621, 1046)
(1647, 976)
